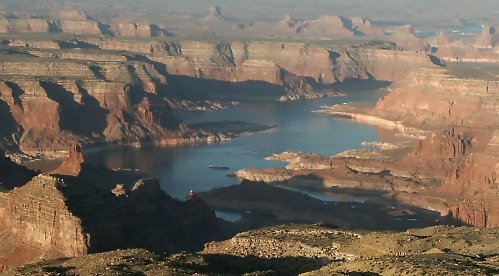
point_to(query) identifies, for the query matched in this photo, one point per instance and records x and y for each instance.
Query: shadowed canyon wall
(118, 91)
(458, 99)
(73, 212)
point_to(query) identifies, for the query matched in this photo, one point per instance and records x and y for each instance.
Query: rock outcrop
(55, 216)
(472, 189)
(480, 48)
(109, 101)
(72, 165)
(405, 37)
(306, 250)
(328, 27)
(467, 103)
(438, 97)
(215, 14)
(111, 90)
(452, 115)
(79, 23)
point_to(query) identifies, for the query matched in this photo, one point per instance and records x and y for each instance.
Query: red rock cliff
(468, 154)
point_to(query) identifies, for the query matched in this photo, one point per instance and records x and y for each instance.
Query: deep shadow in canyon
(198, 89)
(262, 205)
(85, 118)
(235, 265)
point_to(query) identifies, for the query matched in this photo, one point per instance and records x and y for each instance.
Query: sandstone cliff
(60, 215)
(111, 90)
(78, 23)
(73, 163)
(452, 112)
(438, 97)
(480, 48)
(464, 100)
(472, 188)
(48, 103)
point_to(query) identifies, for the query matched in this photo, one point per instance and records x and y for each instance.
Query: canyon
(72, 81)
(80, 209)
(123, 92)
(446, 163)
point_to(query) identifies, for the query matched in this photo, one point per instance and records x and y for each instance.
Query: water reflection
(228, 215)
(298, 129)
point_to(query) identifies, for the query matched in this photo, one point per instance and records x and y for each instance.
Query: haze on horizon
(423, 13)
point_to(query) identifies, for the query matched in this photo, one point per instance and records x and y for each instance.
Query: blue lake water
(182, 169)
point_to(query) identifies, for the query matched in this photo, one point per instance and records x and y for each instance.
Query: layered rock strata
(450, 168)
(54, 216)
(78, 23)
(463, 100)
(111, 90)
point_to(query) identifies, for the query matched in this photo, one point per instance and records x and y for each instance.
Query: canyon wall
(481, 48)
(50, 102)
(113, 90)
(241, 60)
(74, 22)
(465, 104)
(73, 212)
(433, 97)
(35, 214)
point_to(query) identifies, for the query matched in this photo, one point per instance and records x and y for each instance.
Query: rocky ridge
(452, 171)
(306, 250)
(110, 90)
(78, 23)
(54, 216)
(446, 45)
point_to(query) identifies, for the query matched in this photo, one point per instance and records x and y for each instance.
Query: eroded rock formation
(466, 102)
(72, 165)
(308, 250)
(91, 91)
(79, 23)
(449, 118)
(55, 216)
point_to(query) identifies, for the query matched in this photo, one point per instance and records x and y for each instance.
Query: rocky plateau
(79, 81)
(305, 250)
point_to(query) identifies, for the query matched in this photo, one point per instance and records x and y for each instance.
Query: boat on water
(221, 168)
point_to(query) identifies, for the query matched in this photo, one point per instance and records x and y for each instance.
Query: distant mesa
(215, 14)
(327, 26)
(487, 40)
(68, 15)
(287, 22)
(78, 22)
(440, 40)
(359, 22)
(405, 30)
(405, 37)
